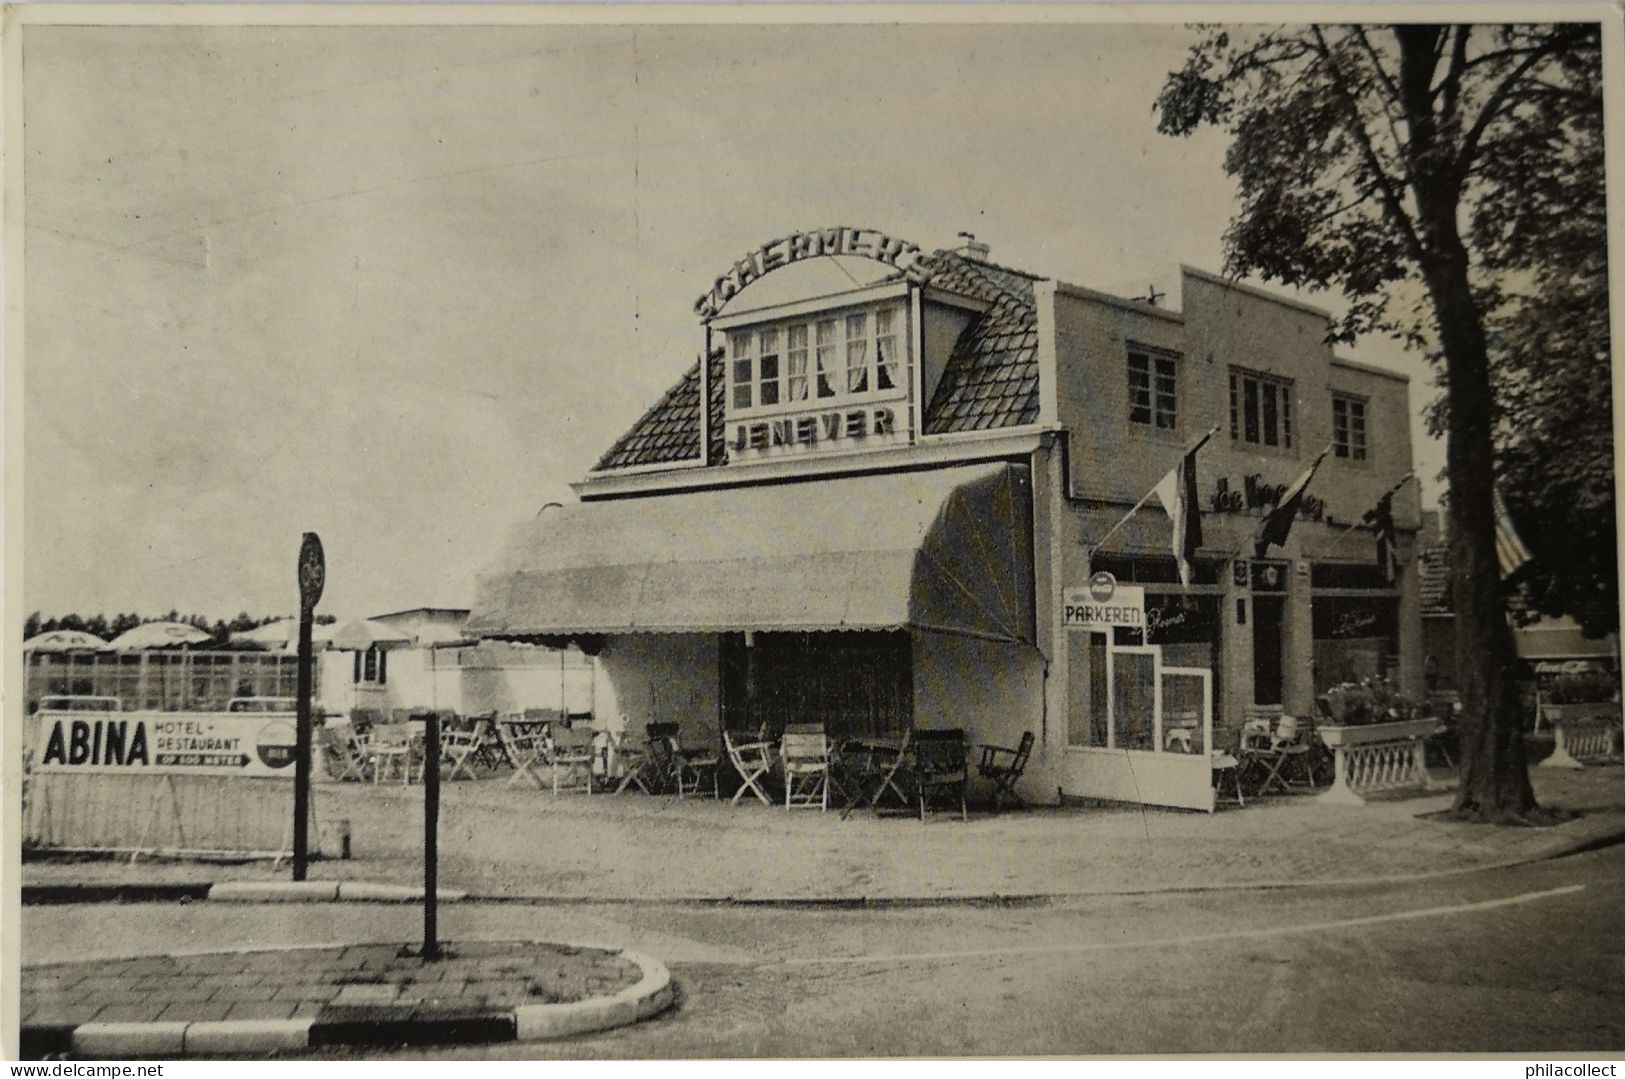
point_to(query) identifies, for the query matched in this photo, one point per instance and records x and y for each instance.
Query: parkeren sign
(842, 240)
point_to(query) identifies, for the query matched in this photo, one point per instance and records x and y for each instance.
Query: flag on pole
(1278, 524)
(1509, 549)
(1381, 520)
(1177, 490)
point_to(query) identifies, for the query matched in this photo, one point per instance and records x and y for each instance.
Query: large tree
(1366, 157)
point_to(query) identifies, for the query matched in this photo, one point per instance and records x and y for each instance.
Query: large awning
(948, 550)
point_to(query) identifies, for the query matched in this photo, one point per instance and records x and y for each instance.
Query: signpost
(312, 577)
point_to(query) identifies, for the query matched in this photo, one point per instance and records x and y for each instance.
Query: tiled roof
(991, 378)
(668, 433)
(989, 381)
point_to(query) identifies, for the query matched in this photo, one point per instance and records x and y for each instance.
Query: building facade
(870, 509)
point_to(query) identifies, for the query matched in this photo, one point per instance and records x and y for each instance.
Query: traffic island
(371, 995)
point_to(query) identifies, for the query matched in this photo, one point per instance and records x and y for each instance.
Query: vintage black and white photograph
(669, 533)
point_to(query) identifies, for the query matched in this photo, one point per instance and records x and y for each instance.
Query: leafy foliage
(1431, 173)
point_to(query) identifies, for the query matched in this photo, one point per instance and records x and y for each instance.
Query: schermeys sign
(1103, 604)
(181, 743)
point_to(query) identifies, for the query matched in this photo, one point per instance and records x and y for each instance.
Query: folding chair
(940, 766)
(459, 742)
(343, 753)
(890, 765)
(394, 749)
(637, 768)
(752, 760)
(525, 743)
(571, 750)
(1003, 768)
(691, 764)
(804, 752)
(1290, 747)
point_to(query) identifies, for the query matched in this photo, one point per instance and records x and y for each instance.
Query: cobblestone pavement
(361, 983)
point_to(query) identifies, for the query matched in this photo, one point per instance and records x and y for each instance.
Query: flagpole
(1392, 491)
(1211, 431)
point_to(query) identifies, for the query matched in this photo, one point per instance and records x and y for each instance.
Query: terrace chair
(889, 767)
(636, 763)
(525, 745)
(660, 746)
(393, 751)
(1003, 768)
(343, 754)
(693, 764)
(752, 760)
(1288, 748)
(572, 751)
(804, 753)
(460, 740)
(940, 765)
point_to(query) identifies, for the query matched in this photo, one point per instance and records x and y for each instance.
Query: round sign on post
(1101, 586)
(312, 572)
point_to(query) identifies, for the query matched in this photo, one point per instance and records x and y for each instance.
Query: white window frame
(1349, 444)
(1275, 385)
(744, 345)
(1155, 359)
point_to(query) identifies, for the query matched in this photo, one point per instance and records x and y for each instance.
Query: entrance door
(1268, 612)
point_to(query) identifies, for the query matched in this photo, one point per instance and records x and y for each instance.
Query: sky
(401, 286)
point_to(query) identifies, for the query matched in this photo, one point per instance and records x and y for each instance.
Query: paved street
(1515, 960)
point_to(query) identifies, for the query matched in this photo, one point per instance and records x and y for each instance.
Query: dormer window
(823, 357)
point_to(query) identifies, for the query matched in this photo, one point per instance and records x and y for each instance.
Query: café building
(881, 508)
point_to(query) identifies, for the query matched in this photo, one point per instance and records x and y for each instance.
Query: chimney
(970, 247)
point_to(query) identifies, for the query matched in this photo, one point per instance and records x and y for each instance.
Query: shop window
(1348, 427)
(1355, 638)
(1133, 699)
(1260, 409)
(1152, 389)
(372, 667)
(828, 358)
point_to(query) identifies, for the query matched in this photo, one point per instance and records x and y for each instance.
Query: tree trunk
(1494, 773)
(1494, 782)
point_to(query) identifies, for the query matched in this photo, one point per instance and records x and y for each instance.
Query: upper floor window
(1260, 409)
(1152, 398)
(1348, 427)
(824, 357)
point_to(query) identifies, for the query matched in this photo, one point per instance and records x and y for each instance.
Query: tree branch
(1497, 99)
(1391, 200)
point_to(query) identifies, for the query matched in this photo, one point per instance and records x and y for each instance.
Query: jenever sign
(1103, 604)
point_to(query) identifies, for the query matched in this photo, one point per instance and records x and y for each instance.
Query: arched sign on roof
(843, 240)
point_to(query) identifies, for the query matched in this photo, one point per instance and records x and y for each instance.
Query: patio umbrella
(159, 635)
(66, 640)
(360, 634)
(283, 633)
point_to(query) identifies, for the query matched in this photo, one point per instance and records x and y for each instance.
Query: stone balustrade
(1376, 758)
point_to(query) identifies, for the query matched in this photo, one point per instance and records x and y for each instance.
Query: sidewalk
(498, 841)
(258, 1002)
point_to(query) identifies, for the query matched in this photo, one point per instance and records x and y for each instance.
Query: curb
(653, 993)
(368, 892)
